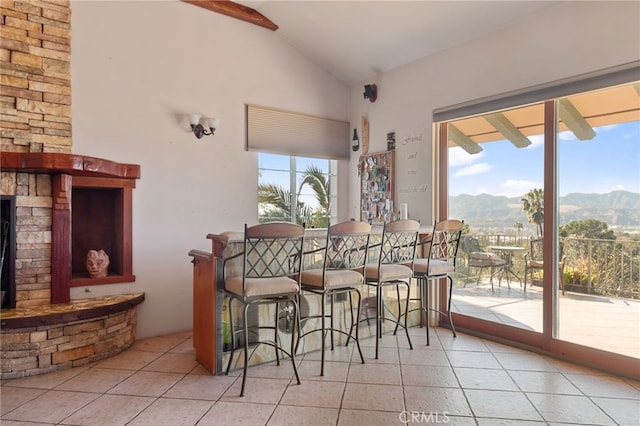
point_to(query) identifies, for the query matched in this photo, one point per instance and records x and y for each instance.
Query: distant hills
(619, 209)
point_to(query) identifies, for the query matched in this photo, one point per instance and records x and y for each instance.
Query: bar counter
(210, 317)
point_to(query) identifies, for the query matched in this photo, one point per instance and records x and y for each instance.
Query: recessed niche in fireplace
(101, 220)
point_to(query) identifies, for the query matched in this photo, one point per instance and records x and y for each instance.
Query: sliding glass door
(495, 185)
(599, 219)
(550, 194)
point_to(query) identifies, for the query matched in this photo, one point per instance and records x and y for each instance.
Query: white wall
(573, 39)
(137, 67)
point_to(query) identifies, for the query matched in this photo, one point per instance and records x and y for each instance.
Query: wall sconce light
(203, 126)
(371, 92)
(355, 142)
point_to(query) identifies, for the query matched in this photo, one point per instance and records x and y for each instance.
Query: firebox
(8, 250)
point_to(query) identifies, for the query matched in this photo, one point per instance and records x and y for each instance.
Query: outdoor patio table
(507, 252)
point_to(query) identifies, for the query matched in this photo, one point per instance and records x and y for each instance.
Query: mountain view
(619, 209)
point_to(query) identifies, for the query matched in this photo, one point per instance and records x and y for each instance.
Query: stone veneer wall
(35, 116)
(37, 350)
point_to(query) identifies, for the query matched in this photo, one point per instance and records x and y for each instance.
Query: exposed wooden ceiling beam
(572, 118)
(462, 140)
(508, 130)
(235, 10)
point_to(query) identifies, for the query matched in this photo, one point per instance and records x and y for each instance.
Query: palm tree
(317, 180)
(533, 205)
(275, 201)
(518, 225)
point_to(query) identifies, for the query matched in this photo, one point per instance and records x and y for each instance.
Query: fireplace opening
(8, 251)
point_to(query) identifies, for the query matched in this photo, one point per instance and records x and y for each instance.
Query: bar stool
(343, 258)
(271, 263)
(439, 263)
(393, 268)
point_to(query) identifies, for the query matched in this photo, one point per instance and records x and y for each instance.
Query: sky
(610, 161)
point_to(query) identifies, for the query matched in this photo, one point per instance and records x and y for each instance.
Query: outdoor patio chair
(533, 261)
(479, 259)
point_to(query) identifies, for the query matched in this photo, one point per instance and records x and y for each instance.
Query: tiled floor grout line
(577, 379)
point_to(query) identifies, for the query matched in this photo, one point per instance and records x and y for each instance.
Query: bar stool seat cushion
(333, 279)
(387, 272)
(436, 267)
(256, 287)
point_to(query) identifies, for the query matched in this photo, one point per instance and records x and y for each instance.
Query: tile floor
(462, 381)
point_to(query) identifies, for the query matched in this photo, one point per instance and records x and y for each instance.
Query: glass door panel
(599, 219)
(495, 179)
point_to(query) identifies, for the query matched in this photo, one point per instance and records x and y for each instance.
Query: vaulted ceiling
(356, 40)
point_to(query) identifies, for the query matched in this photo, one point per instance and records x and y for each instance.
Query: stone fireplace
(62, 204)
(41, 328)
(65, 205)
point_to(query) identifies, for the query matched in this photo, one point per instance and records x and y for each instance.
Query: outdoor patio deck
(607, 323)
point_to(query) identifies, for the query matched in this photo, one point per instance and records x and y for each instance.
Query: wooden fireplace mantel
(71, 164)
(71, 172)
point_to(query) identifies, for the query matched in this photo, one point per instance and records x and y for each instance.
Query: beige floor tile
(473, 359)
(172, 412)
(419, 339)
(272, 370)
(506, 422)
(445, 418)
(285, 415)
(465, 378)
(130, 360)
(13, 397)
(157, 344)
(416, 357)
(373, 397)
(314, 394)
(146, 383)
(429, 375)
(196, 386)
(501, 404)
(173, 363)
(258, 390)
(49, 380)
(385, 355)
(460, 343)
(349, 417)
(482, 378)
(604, 386)
(526, 362)
(624, 411)
(543, 382)
(339, 353)
(231, 413)
(186, 334)
(436, 400)
(382, 374)
(333, 371)
(98, 380)
(569, 409)
(51, 407)
(109, 410)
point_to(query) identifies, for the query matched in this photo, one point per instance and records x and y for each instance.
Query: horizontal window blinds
(291, 133)
(622, 74)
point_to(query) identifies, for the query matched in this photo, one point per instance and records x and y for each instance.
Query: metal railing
(591, 266)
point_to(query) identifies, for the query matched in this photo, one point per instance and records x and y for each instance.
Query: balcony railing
(592, 266)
